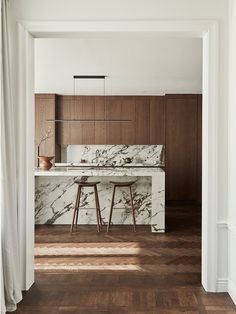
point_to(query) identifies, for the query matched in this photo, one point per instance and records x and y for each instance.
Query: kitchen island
(55, 193)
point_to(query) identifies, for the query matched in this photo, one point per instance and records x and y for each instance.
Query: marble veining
(115, 155)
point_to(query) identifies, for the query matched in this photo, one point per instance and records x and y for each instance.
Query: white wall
(232, 152)
(154, 9)
(137, 65)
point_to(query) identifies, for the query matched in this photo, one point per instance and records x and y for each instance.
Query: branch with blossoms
(44, 136)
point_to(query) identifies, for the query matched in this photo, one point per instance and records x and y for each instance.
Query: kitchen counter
(56, 191)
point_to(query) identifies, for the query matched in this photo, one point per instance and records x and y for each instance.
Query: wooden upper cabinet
(76, 110)
(88, 113)
(113, 112)
(128, 127)
(142, 120)
(157, 120)
(100, 127)
(181, 147)
(145, 117)
(63, 112)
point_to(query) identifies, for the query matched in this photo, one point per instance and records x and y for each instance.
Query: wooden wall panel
(44, 110)
(142, 116)
(128, 128)
(157, 120)
(63, 111)
(100, 127)
(88, 113)
(76, 112)
(181, 147)
(113, 111)
(140, 130)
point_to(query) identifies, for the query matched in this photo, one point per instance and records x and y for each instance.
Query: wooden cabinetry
(99, 126)
(63, 111)
(183, 148)
(142, 123)
(45, 110)
(95, 108)
(113, 112)
(128, 127)
(157, 120)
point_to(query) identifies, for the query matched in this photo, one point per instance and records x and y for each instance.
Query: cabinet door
(142, 123)
(88, 136)
(76, 112)
(128, 127)
(113, 111)
(157, 120)
(64, 108)
(100, 126)
(181, 147)
(44, 111)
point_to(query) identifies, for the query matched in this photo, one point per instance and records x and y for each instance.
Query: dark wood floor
(122, 272)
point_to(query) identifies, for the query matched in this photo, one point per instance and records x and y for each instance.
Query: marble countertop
(94, 164)
(100, 171)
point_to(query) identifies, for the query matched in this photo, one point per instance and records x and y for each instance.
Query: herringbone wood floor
(122, 272)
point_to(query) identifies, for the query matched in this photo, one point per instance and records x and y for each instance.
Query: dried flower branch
(45, 135)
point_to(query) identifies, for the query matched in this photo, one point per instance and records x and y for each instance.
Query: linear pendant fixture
(90, 77)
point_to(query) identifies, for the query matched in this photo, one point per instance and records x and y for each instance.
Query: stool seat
(86, 183)
(127, 183)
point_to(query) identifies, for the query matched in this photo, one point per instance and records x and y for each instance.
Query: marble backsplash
(114, 155)
(54, 201)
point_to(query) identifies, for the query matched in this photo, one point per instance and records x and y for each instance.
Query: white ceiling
(134, 66)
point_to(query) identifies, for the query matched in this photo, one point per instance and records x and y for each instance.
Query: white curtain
(10, 263)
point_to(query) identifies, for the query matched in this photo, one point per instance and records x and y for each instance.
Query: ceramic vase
(45, 162)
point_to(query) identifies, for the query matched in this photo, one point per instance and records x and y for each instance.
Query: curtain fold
(10, 265)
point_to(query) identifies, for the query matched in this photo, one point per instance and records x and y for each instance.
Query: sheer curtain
(10, 262)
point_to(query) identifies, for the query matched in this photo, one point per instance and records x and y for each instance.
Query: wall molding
(222, 224)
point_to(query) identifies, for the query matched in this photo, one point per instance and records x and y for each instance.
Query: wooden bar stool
(122, 184)
(82, 184)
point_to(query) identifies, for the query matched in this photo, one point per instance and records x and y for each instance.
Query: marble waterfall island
(56, 192)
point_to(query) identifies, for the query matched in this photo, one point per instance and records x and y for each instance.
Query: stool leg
(96, 205)
(132, 206)
(78, 202)
(99, 209)
(112, 203)
(75, 209)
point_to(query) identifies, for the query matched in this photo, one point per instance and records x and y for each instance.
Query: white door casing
(208, 31)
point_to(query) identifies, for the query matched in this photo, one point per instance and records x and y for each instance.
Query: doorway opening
(209, 157)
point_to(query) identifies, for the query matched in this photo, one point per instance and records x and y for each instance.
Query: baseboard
(222, 285)
(232, 290)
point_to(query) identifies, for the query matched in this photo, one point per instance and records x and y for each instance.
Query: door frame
(205, 29)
